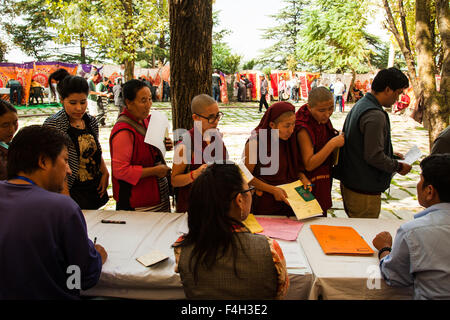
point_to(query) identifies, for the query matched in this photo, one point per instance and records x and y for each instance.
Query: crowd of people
(59, 168)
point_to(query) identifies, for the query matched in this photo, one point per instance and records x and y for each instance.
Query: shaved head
(200, 102)
(318, 95)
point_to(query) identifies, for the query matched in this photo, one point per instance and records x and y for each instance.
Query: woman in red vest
(317, 140)
(139, 172)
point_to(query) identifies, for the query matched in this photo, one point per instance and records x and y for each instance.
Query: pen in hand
(95, 240)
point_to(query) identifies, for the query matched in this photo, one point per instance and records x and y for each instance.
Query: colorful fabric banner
(275, 78)
(223, 89)
(253, 76)
(26, 72)
(42, 70)
(24, 75)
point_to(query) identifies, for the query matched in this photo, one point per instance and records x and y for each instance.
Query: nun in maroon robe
(320, 134)
(289, 163)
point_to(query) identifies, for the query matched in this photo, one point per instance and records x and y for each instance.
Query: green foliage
(135, 25)
(222, 57)
(334, 39)
(267, 71)
(30, 33)
(290, 21)
(3, 50)
(409, 7)
(249, 65)
(291, 63)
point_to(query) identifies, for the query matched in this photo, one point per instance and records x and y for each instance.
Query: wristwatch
(383, 250)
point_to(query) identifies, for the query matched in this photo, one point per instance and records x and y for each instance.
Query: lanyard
(4, 145)
(25, 179)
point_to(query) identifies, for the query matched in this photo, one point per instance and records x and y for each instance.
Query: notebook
(340, 240)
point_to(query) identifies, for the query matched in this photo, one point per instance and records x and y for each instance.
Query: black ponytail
(58, 75)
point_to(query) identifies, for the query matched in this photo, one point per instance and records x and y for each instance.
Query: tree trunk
(405, 48)
(82, 50)
(130, 59)
(350, 88)
(129, 70)
(435, 115)
(443, 22)
(190, 56)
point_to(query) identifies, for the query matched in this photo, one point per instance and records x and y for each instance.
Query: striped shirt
(60, 120)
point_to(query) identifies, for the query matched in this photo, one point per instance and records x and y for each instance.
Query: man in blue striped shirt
(420, 256)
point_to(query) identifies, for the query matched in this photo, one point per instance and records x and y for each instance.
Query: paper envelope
(151, 258)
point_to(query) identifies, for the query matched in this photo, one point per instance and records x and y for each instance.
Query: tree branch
(403, 22)
(407, 54)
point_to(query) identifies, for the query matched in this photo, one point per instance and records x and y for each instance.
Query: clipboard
(340, 240)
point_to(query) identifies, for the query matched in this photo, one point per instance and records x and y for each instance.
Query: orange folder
(340, 240)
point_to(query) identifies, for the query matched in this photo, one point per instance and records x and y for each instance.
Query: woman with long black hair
(219, 258)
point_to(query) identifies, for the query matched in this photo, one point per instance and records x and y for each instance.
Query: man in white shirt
(338, 90)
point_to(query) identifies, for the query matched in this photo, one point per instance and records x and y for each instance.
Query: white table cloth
(350, 277)
(124, 277)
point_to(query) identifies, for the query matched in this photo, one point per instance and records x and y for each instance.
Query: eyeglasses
(251, 189)
(211, 119)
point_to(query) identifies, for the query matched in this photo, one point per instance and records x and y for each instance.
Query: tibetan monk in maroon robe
(189, 159)
(318, 140)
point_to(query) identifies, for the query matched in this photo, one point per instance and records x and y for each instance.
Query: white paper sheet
(295, 258)
(412, 155)
(152, 258)
(158, 129)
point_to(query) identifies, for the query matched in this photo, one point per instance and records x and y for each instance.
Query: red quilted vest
(146, 192)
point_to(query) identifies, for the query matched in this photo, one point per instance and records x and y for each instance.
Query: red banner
(223, 89)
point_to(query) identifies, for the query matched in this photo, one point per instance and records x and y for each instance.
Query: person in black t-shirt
(90, 178)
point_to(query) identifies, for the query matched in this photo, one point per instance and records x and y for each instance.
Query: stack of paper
(280, 228)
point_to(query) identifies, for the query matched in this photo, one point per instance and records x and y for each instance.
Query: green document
(305, 194)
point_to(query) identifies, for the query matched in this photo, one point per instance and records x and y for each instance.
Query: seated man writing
(420, 255)
(45, 251)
